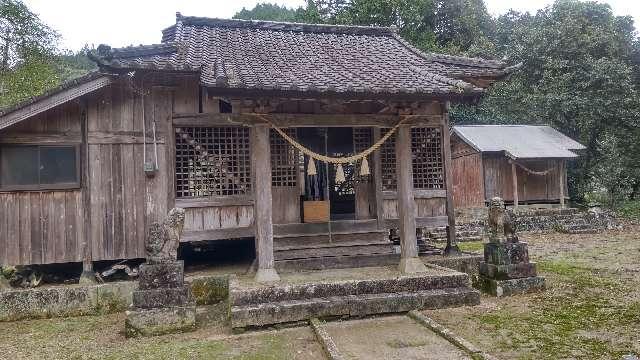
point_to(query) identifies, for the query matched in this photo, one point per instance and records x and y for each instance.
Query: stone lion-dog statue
(164, 239)
(502, 226)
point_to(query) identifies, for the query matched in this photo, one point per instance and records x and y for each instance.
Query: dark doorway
(334, 142)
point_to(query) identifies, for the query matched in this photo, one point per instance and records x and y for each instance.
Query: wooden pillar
(87, 276)
(561, 175)
(377, 180)
(409, 260)
(263, 224)
(452, 244)
(514, 178)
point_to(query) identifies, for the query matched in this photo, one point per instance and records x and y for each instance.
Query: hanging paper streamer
(340, 174)
(311, 168)
(364, 167)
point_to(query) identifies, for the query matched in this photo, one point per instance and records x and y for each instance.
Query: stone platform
(506, 270)
(163, 303)
(356, 292)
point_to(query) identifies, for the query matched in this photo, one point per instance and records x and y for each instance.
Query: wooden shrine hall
(313, 139)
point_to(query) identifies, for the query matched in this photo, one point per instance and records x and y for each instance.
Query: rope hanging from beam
(362, 156)
(532, 172)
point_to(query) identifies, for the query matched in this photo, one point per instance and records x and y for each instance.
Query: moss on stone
(210, 290)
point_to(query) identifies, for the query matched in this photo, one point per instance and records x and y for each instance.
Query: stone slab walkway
(392, 337)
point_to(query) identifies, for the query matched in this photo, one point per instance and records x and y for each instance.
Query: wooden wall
(38, 227)
(531, 188)
(468, 182)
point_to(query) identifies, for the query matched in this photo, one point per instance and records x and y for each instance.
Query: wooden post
(452, 244)
(261, 165)
(87, 276)
(561, 172)
(514, 178)
(377, 180)
(409, 260)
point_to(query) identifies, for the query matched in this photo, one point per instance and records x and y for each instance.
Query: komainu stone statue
(501, 223)
(164, 239)
(506, 269)
(163, 303)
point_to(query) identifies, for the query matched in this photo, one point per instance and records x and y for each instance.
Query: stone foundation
(509, 287)
(163, 304)
(506, 270)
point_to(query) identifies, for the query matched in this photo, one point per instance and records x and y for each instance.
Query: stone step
(305, 240)
(256, 295)
(338, 262)
(332, 249)
(255, 315)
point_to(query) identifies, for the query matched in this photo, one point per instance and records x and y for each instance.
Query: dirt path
(394, 337)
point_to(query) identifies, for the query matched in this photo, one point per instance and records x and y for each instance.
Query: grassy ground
(591, 309)
(101, 337)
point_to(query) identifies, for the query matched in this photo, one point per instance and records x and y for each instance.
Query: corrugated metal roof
(519, 141)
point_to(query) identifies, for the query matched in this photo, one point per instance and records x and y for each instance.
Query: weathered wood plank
(118, 210)
(302, 120)
(218, 234)
(406, 203)
(239, 200)
(13, 228)
(261, 165)
(41, 138)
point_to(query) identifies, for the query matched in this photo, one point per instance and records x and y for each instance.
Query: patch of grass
(630, 209)
(557, 325)
(471, 246)
(405, 343)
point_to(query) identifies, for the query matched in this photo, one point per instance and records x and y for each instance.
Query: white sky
(132, 22)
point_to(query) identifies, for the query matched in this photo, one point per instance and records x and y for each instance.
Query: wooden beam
(261, 166)
(452, 244)
(417, 193)
(86, 245)
(52, 101)
(42, 138)
(217, 234)
(561, 174)
(302, 120)
(409, 261)
(122, 137)
(233, 200)
(514, 179)
(377, 180)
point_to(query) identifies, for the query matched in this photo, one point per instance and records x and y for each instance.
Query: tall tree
(577, 75)
(27, 53)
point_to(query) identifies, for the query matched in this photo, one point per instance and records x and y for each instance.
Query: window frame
(45, 187)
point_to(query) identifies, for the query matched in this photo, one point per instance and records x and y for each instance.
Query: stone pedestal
(162, 304)
(506, 270)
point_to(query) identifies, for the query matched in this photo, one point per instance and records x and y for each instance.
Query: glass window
(58, 165)
(34, 167)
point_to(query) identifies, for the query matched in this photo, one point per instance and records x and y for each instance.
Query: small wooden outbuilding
(197, 122)
(522, 164)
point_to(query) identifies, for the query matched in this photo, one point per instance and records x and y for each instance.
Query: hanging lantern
(364, 167)
(311, 168)
(340, 174)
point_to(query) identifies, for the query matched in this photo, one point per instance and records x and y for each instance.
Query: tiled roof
(262, 55)
(519, 141)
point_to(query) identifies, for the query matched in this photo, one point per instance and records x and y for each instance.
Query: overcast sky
(133, 22)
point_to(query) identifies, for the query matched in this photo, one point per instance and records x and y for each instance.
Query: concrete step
(338, 262)
(332, 249)
(267, 313)
(256, 295)
(312, 239)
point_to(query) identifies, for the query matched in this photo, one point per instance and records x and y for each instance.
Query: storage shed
(523, 164)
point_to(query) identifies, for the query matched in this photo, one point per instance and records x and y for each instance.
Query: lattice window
(388, 160)
(284, 159)
(212, 161)
(362, 137)
(426, 147)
